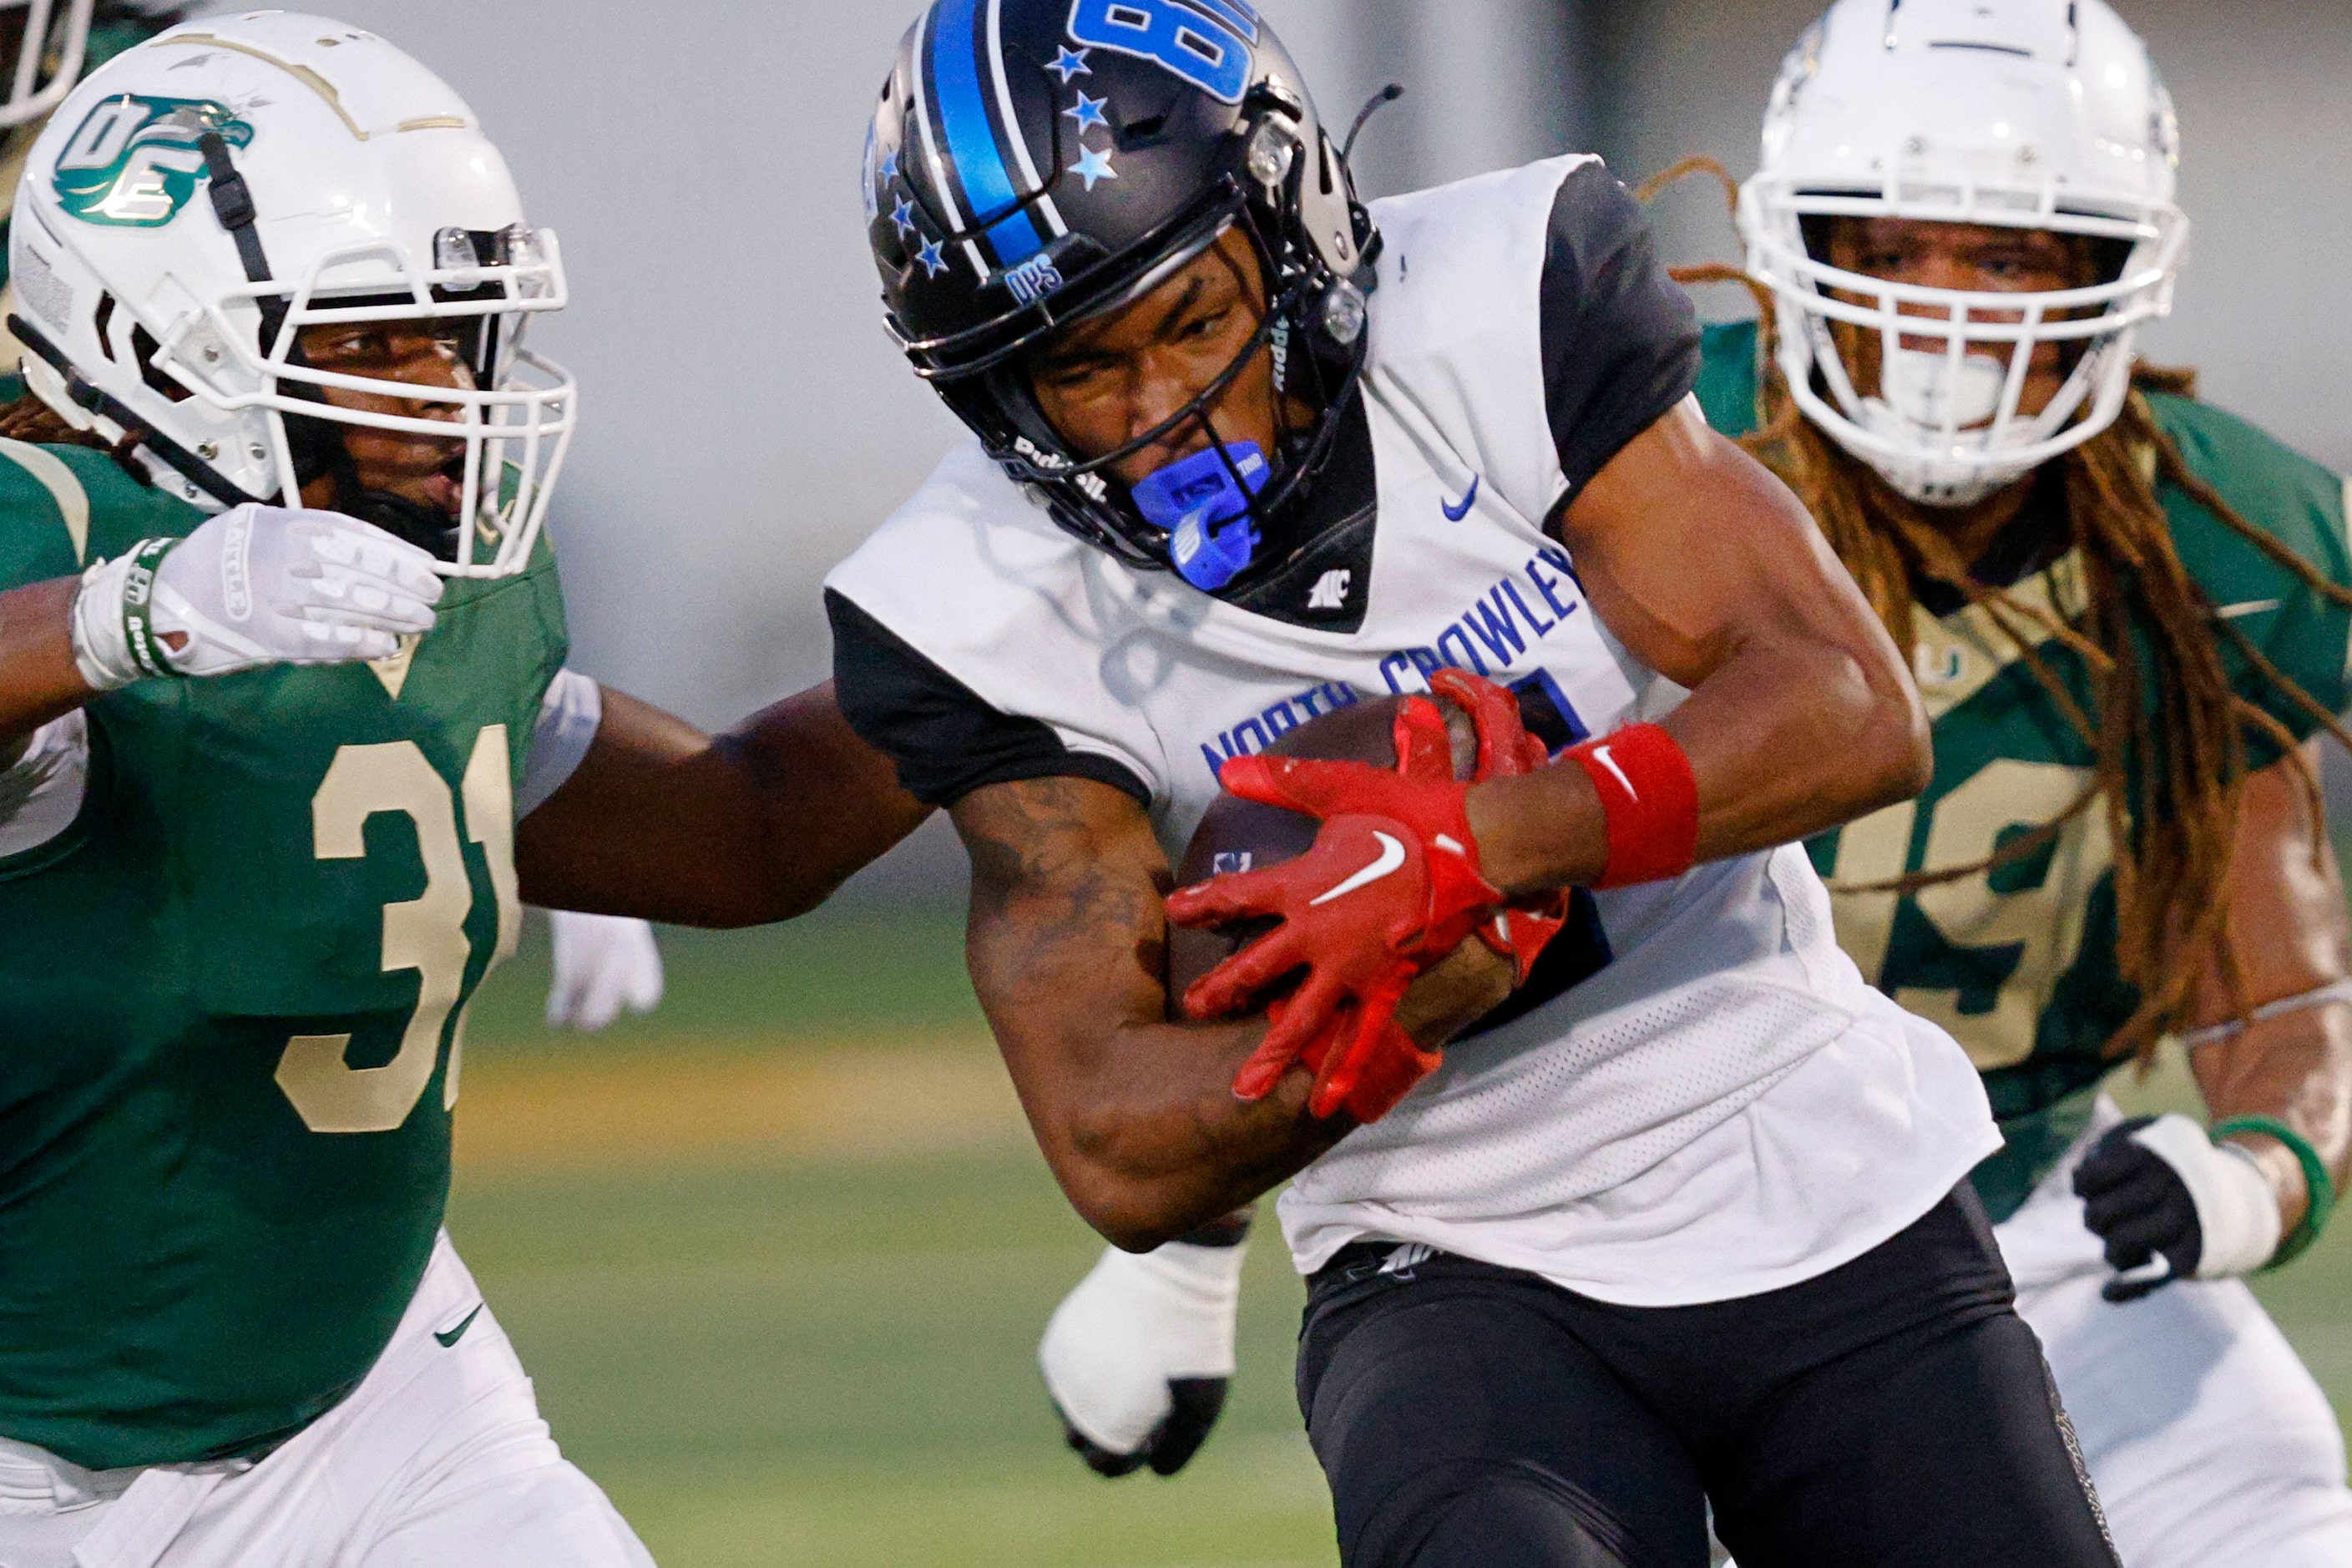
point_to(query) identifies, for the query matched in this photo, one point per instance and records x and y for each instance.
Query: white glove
(601, 961)
(256, 585)
(2172, 1203)
(1138, 1356)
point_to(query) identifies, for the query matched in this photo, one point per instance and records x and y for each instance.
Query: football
(1242, 836)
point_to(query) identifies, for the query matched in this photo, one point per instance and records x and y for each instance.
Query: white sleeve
(41, 793)
(569, 716)
(1008, 618)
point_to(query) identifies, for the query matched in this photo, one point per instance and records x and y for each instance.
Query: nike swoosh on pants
(454, 1335)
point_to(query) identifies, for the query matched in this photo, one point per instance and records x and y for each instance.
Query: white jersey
(1725, 1108)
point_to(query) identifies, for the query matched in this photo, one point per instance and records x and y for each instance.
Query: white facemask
(1923, 392)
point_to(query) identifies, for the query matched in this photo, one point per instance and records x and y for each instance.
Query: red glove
(1362, 1071)
(1391, 886)
(1506, 750)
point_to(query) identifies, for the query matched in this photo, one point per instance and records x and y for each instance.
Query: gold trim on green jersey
(1961, 654)
(64, 488)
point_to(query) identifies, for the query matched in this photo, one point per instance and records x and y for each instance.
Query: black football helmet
(1034, 162)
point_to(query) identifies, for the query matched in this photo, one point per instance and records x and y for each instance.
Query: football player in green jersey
(2127, 613)
(273, 783)
(602, 964)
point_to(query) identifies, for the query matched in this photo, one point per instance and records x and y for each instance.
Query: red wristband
(1651, 800)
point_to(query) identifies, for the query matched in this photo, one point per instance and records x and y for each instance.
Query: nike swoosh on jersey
(1392, 859)
(454, 1335)
(2251, 607)
(1601, 754)
(1456, 513)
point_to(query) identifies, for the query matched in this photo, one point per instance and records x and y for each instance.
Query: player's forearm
(1151, 1143)
(2296, 1068)
(1787, 738)
(38, 678)
(666, 823)
(2289, 939)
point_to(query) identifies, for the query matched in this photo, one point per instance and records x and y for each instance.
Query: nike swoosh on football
(1456, 513)
(454, 1335)
(1392, 859)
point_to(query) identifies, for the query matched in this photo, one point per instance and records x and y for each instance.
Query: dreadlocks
(30, 420)
(2169, 730)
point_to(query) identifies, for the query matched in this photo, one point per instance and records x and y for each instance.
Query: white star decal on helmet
(1088, 114)
(1071, 63)
(1092, 166)
(903, 217)
(934, 258)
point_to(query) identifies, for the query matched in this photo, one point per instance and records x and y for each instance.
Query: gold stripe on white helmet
(2037, 114)
(376, 198)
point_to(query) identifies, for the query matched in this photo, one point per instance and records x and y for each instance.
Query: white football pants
(2210, 1443)
(438, 1459)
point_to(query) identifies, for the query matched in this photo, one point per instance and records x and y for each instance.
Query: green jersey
(232, 1000)
(2020, 965)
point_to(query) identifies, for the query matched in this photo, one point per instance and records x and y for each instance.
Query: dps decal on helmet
(133, 162)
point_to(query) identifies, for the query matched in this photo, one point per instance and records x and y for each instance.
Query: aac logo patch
(133, 162)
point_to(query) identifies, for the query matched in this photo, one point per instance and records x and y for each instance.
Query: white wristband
(2237, 1211)
(102, 649)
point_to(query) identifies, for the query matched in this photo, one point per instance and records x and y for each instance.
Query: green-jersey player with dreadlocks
(2127, 613)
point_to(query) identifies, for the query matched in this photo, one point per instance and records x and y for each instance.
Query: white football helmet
(2040, 114)
(204, 197)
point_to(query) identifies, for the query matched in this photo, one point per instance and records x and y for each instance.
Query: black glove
(2170, 1204)
(1196, 1403)
(1138, 1357)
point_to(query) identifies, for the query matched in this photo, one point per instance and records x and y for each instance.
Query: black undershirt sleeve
(945, 738)
(1620, 340)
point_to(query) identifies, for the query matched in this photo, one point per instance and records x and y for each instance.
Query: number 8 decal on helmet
(1206, 42)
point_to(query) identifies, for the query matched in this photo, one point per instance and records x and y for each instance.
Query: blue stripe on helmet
(970, 134)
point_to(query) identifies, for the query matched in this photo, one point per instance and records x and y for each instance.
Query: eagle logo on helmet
(133, 162)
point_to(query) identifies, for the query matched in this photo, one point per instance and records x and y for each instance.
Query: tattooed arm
(2288, 930)
(1068, 952)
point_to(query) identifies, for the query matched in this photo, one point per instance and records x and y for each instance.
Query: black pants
(1895, 1411)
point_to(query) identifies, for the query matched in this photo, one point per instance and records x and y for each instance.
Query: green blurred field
(772, 1354)
(778, 1259)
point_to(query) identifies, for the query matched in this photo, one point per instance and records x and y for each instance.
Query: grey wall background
(746, 423)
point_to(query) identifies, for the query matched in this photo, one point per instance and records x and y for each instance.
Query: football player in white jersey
(1686, 1227)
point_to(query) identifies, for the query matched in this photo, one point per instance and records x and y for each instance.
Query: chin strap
(97, 401)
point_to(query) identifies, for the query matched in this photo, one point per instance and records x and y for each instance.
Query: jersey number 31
(426, 934)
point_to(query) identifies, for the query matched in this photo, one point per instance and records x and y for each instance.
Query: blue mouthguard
(1197, 500)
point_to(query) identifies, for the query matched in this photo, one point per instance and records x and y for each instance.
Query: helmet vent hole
(103, 323)
(143, 344)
